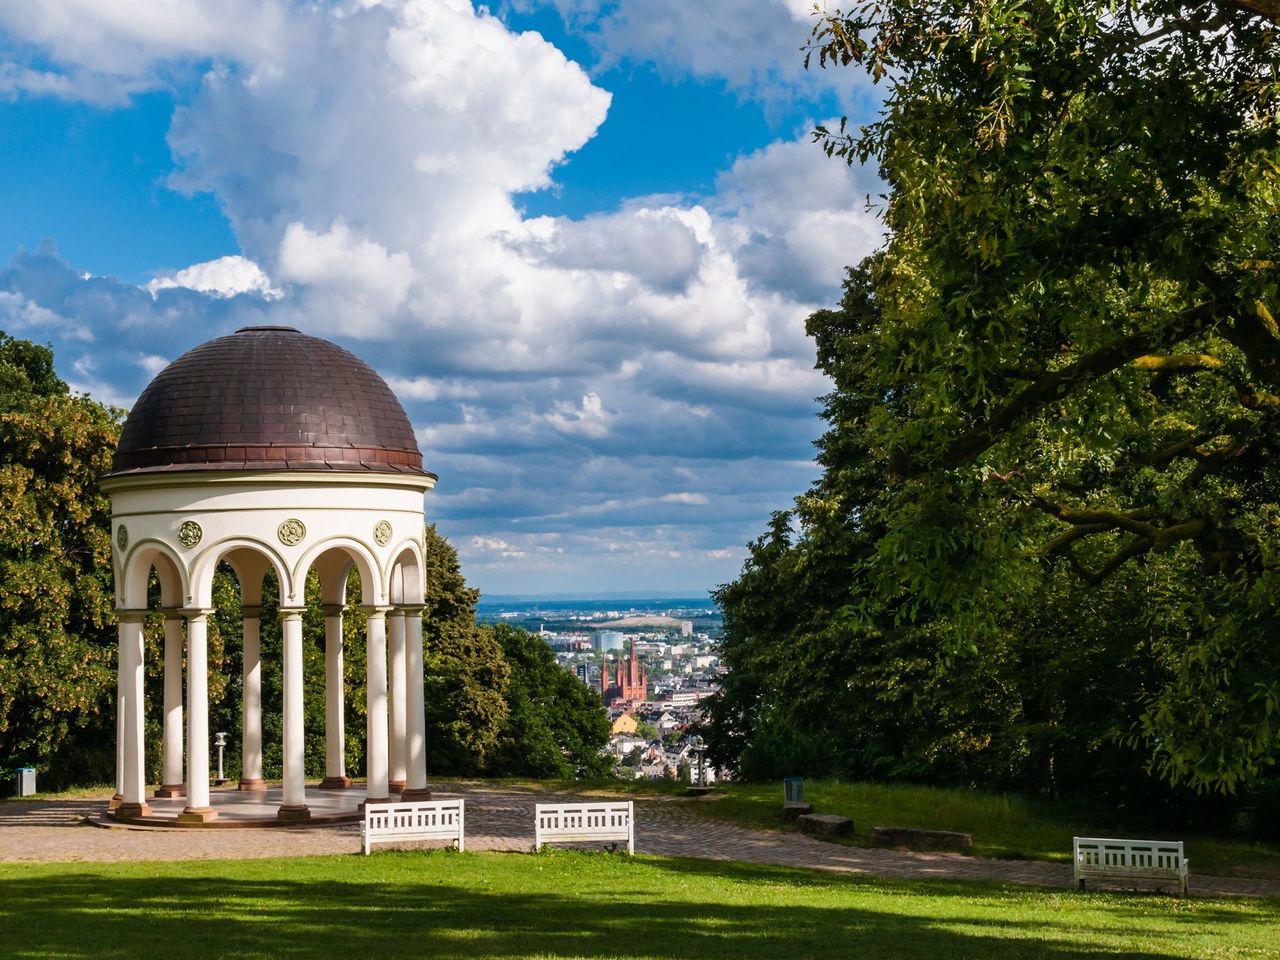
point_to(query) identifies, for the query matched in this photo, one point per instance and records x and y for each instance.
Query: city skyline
(579, 241)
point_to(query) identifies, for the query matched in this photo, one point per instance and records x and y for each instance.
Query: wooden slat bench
(428, 820)
(1098, 858)
(584, 822)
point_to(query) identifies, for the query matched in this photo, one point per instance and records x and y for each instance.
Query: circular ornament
(122, 538)
(189, 533)
(291, 532)
(382, 533)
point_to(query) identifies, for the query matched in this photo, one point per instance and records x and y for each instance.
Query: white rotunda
(269, 450)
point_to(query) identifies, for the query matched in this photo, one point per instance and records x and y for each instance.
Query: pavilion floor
(252, 808)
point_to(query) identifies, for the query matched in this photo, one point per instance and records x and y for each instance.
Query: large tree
(555, 725)
(57, 639)
(466, 673)
(1062, 382)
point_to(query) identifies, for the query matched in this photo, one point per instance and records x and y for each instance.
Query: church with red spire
(630, 685)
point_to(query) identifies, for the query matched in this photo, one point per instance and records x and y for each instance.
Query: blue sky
(578, 238)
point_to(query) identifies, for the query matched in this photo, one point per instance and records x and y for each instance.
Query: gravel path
(502, 819)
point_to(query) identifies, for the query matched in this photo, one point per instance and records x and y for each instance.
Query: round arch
(173, 576)
(233, 549)
(405, 579)
(336, 550)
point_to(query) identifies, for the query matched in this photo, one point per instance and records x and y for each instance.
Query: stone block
(825, 824)
(913, 839)
(793, 810)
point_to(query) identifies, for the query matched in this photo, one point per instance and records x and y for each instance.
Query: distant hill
(637, 622)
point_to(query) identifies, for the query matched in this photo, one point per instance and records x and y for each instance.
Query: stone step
(825, 824)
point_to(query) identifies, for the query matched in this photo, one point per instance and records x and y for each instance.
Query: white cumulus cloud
(223, 277)
(370, 158)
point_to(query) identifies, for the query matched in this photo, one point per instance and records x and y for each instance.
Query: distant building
(626, 723)
(607, 640)
(628, 685)
(686, 628)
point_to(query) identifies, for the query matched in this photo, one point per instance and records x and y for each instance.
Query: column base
(416, 795)
(132, 810)
(335, 783)
(115, 801)
(368, 800)
(293, 814)
(248, 784)
(170, 790)
(197, 815)
(397, 786)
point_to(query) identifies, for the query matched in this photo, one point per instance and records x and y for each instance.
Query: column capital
(376, 611)
(171, 613)
(333, 609)
(411, 609)
(292, 613)
(251, 610)
(198, 613)
(127, 615)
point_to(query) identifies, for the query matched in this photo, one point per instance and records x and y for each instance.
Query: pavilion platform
(249, 809)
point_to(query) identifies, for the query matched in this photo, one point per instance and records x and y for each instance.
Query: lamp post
(220, 741)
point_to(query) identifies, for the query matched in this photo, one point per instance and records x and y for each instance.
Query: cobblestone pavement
(502, 819)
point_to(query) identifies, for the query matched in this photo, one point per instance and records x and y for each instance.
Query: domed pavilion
(269, 450)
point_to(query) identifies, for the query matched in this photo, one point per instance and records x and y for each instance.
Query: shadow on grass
(451, 906)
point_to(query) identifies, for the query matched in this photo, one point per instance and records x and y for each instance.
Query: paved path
(502, 819)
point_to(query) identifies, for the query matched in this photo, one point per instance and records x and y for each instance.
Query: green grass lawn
(1002, 825)
(567, 904)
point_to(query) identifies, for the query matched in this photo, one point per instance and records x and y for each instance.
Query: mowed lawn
(569, 904)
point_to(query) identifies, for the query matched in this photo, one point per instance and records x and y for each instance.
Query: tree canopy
(57, 637)
(1056, 394)
(555, 724)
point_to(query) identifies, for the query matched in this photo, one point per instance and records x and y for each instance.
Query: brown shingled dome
(267, 398)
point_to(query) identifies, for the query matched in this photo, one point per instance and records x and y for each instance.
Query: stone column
(396, 692)
(335, 743)
(251, 705)
(415, 709)
(294, 806)
(377, 790)
(171, 781)
(197, 809)
(133, 786)
(119, 794)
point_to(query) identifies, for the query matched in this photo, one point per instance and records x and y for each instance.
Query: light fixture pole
(220, 741)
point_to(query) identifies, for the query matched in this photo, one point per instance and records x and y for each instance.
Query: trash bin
(793, 790)
(26, 781)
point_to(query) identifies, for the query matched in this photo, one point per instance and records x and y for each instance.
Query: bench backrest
(429, 820)
(585, 821)
(429, 815)
(1100, 855)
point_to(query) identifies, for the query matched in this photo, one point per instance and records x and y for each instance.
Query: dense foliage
(1046, 545)
(57, 635)
(555, 724)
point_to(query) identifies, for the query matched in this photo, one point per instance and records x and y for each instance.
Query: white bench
(1098, 858)
(428, 820)
(577, 822)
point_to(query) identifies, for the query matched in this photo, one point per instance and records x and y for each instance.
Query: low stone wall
(912, 839)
